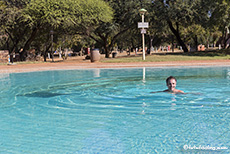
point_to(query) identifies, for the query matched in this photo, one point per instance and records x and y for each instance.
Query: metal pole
(143, 40)
(143, 44)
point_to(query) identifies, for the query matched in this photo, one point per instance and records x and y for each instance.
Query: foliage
(26, 24)
(220, 18)
(24, 21)
(220, 14)
(181, 15)
(193, 31)
(126, 17)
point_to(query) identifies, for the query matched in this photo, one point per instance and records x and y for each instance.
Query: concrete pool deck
(80, 63)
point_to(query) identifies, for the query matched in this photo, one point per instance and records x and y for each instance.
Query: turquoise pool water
(113, 111)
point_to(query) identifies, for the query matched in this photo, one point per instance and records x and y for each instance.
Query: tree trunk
(27, 44)
(104, 43)
(81, 51)
(106, 46)
(14, 47)
(150, 44)
(45, 52)
(226, 45)
(107, 51)
(223, 39)
(44, 56)
(104, 39)
(177, 34)
(173, 44)
(196, 42)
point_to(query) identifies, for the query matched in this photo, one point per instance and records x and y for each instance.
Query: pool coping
(18, 68)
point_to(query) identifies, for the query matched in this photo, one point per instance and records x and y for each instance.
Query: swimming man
(171, 84)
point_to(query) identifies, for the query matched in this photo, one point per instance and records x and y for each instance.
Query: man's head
(171, 83)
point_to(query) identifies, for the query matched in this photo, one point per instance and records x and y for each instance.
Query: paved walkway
(86, 64)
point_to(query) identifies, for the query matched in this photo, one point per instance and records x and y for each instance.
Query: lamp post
(52, 38)
(143, 25)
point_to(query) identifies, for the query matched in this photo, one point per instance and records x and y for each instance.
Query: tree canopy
(23, 20)
(27, 23)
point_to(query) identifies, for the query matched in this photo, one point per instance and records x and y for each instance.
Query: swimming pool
(114, 111)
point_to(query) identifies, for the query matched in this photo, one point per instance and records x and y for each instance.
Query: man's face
(171, 84)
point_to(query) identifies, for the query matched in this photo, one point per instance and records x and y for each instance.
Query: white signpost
(143, 31)
(143, 25)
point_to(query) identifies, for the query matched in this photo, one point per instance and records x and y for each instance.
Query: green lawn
(208, 55)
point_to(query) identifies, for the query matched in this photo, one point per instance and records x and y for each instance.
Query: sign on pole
(143, 25)
(143, 31)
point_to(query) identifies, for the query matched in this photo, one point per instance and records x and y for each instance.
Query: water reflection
(143, 75)
(96, 73)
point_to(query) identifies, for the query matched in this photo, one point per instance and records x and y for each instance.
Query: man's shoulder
(179, 91)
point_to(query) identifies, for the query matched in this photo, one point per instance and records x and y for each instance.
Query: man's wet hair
(169, 78)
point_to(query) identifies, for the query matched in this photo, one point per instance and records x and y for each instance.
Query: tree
(11, 23)
(125, 18)
(193, 33)
(25, 21)
(177, 14)
(220, 17)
